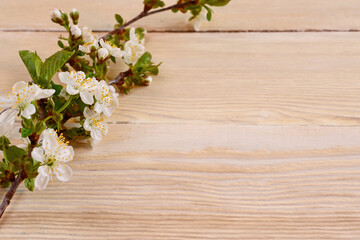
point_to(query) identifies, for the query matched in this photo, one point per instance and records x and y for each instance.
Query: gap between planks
(202, 31)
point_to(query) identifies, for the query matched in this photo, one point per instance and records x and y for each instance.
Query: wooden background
(251, 130)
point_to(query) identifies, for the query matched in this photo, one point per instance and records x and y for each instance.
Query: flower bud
(102, 53)
(147, 80)
(74, 14)
(87, 34)
(75, 31)
(55, 15)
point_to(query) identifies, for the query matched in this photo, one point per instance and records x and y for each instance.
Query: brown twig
(119, 80)
(10, 193)
(15, 184)
(146, 13)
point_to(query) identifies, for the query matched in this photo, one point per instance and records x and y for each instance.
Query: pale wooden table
(244, 135)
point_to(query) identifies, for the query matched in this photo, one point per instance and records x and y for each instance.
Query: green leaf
(119, 19)
(29, 167)
(52, 65)
(29, 184)
(144, 60)
(4, 141)
(27, 123)
(56, 87)
(13, 152)
(32, 62)
(25, 132)
(152, 4)
(217, 3)
(60, 43)
(140, 32)
(154, 70)
(209, 13)
(40, 126)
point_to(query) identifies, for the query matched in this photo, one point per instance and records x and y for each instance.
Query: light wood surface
(241, 136)
(244, 15)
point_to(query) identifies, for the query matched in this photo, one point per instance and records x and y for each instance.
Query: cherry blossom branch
(119, 80)
(14, 185)
(146, 13)
(10, 193)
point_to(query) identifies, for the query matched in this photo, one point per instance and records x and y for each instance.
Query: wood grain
(237, 78)
(244, 15)
(172, 181)
(242, 136)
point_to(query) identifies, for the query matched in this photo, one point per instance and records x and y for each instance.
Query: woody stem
(145, 14)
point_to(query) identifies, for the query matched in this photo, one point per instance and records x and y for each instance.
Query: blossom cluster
(42, 116)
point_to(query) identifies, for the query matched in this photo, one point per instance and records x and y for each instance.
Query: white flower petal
(98, 107)
(63, 93)
(70, 90)
(84, 49)
(8, 116)
(107, 111)
(87, 112)
(96, 134)
(63, 172)
(4, 102)
(87, 98)
(18, 86)
(41, 181)
(49, 139)
(64, 77)
(87, 125)
(116, 52)
(38, 154)
(27, 112)
(66, 155)
(102, 43)
(45, 93)
(132, 35)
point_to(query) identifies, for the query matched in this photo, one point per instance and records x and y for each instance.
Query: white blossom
(89, 47)
(133, 48)
(52, 154)
(7, 129)
(75, 31)
(90, 41)
(106, 98)
(55, 14)
(113, 49)
(76, 82)
(199, 19)
(21, 96)
(95, 124)
(102, 53)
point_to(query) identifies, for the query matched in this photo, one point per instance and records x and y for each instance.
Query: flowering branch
(10, 193)
(53, 114)
(146, 13)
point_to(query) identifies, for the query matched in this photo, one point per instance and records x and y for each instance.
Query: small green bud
(74, 14)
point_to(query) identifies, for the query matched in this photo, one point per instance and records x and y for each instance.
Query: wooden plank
(257, 78)
(244, 15)
(173, 181)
